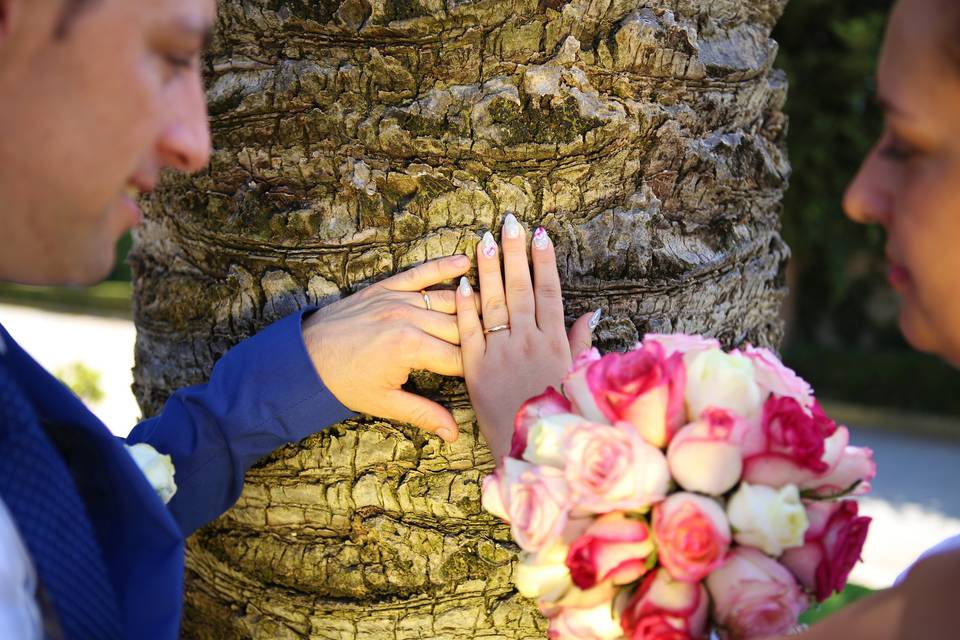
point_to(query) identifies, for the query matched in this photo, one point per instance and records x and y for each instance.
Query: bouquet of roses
(677, 490)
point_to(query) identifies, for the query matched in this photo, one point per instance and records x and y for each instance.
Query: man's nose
(184, 143)
(869, 197)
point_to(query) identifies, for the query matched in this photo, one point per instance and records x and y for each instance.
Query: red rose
(833, 543)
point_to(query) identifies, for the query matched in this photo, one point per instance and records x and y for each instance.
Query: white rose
(544, 575)
(545, 439)
(766, 518)
(705, 455)
(593, 623)
(157, 467)
(722, 381)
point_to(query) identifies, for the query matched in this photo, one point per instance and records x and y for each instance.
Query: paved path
(914, 503)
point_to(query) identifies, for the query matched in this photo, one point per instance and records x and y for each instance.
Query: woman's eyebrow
(890, 107)
(196, 28)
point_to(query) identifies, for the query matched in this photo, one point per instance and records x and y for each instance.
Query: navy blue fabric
(43, 498)
(262, 394)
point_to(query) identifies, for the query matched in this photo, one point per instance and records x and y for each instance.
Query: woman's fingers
(428, 274)
(493, 302)
(472, 342)
(516, 269)
(546, 288)
(580, 335)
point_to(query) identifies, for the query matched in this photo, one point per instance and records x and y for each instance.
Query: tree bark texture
(355, 138)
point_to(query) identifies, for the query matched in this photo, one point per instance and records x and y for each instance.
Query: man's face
(87, 121)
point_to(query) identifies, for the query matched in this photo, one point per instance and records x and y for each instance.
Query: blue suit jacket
(262, 394)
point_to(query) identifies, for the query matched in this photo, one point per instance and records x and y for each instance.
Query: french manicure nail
(540, 239)
(465, 288)
(488, 246)
(595, 319)
(511, 228)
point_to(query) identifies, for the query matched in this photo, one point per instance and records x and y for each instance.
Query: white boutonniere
(157, 467)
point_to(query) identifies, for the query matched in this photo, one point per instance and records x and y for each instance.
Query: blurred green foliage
(82, 380)
(829, 51)
(833, 604)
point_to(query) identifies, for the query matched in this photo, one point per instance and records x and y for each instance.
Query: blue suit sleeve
(262, 394)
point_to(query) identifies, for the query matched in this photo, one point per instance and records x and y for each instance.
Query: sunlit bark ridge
(356, 138)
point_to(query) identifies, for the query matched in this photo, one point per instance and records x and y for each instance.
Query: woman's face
(910, 182)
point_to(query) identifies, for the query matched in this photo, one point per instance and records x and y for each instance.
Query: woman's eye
(178, 64)
(897, 151)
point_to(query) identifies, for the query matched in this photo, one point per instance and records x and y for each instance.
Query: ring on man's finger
(499, 327)
(426, 299)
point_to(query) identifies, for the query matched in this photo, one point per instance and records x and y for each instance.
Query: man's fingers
(436, 355)
(547, 284)
(442, 300)
(422, 413)
(428, 274)
(516, 270)
(581, 333)
(439, 325)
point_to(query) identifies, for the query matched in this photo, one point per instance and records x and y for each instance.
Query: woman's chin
(922, 336)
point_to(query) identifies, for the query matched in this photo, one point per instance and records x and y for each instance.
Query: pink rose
(779, 471)
(693, 535)
(548, 404)
(856, 467)
(754, 596)
(593, 623)
(534, 500)
(666, 609)
(791, 444)
(833, 543)
(642, 387)
(773, 377)
(613, 548)
(613, 469)
(705, 455)
(681, 343)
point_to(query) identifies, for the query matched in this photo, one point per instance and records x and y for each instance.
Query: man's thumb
(404, 406)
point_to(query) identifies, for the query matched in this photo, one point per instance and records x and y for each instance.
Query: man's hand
(365, 346)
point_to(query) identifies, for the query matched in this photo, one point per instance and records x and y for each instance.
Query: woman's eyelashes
(896, 149)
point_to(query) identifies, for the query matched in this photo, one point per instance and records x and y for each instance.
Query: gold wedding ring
(426, 299)
(499, 327)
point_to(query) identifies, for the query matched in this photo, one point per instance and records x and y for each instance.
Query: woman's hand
(365, 346)
(522, 346)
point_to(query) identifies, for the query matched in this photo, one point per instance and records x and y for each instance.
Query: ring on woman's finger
(499, 327)
(426, 299)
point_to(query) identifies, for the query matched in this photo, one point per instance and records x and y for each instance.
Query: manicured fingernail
(511, 228)
(445, 434)
(540, 239)
(595, 319)
(465, 288)
(488, 246)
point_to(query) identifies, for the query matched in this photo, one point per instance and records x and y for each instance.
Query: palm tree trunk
(356, 138)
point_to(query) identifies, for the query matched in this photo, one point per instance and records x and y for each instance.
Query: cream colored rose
(546, 437)
(722, 381)
(544, 575)
(157, 467)
(766, 518)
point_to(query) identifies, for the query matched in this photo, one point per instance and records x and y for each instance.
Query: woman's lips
(897, 276)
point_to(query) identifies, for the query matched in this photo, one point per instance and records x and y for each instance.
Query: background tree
(356, 138)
